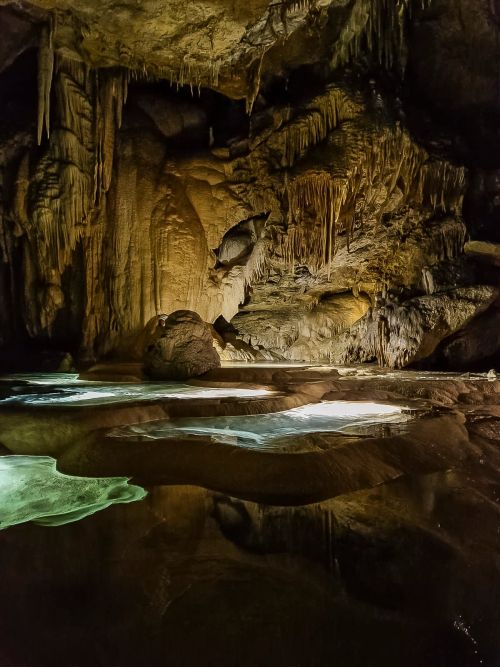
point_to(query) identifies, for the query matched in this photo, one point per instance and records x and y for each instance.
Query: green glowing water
(31, 489)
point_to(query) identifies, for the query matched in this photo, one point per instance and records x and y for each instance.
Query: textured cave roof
(229, 45)
(177, 39)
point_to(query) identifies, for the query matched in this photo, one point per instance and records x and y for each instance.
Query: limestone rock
(172, 119)
(18, 34)
(484, 251)
(298, 332)
(107, 223)
(333, 315)
(181, 347)
(344, 329)
(236, 243)
(397, 335)
(478, 342)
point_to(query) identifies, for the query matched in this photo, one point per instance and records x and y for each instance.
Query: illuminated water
(278, 430)
(67, 389)
(31, 489)
(401, 568)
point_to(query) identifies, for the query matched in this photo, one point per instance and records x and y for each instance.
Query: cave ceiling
(229, 45)
(216, 43)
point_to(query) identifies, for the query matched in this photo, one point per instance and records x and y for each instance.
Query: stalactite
(441, 186)
(390, 333)
(111, 96)
(286, 7)
(45, 72)
(62, 188)
(377, 27)
(324, 113)
(76, 168)
(451, 240)
(323, 204)
(293, 136)
(294, 5)
(193, 73)
(254, 82)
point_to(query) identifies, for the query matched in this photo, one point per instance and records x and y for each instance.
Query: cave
(250, 333)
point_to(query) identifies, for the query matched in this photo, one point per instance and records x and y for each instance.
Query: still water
(109, 570)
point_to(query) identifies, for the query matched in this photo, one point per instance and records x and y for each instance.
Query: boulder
(180, 347)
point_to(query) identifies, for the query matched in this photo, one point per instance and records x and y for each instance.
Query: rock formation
(279, 166)
(180, 347)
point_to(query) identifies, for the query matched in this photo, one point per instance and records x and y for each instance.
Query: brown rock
(181, 347)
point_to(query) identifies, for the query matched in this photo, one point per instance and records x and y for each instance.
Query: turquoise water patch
(31, 489)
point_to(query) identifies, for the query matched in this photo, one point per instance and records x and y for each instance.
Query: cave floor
(272, 515)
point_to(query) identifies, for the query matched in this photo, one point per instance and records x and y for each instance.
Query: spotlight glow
(347, 410)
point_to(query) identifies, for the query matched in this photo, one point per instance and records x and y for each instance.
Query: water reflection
(388, 557)
(31, 489)
(189, 577)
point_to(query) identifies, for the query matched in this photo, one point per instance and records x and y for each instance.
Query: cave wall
(322, 215)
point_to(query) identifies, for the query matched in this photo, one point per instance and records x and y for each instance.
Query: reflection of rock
(21, 358)
(181, 347)
(31, 489)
